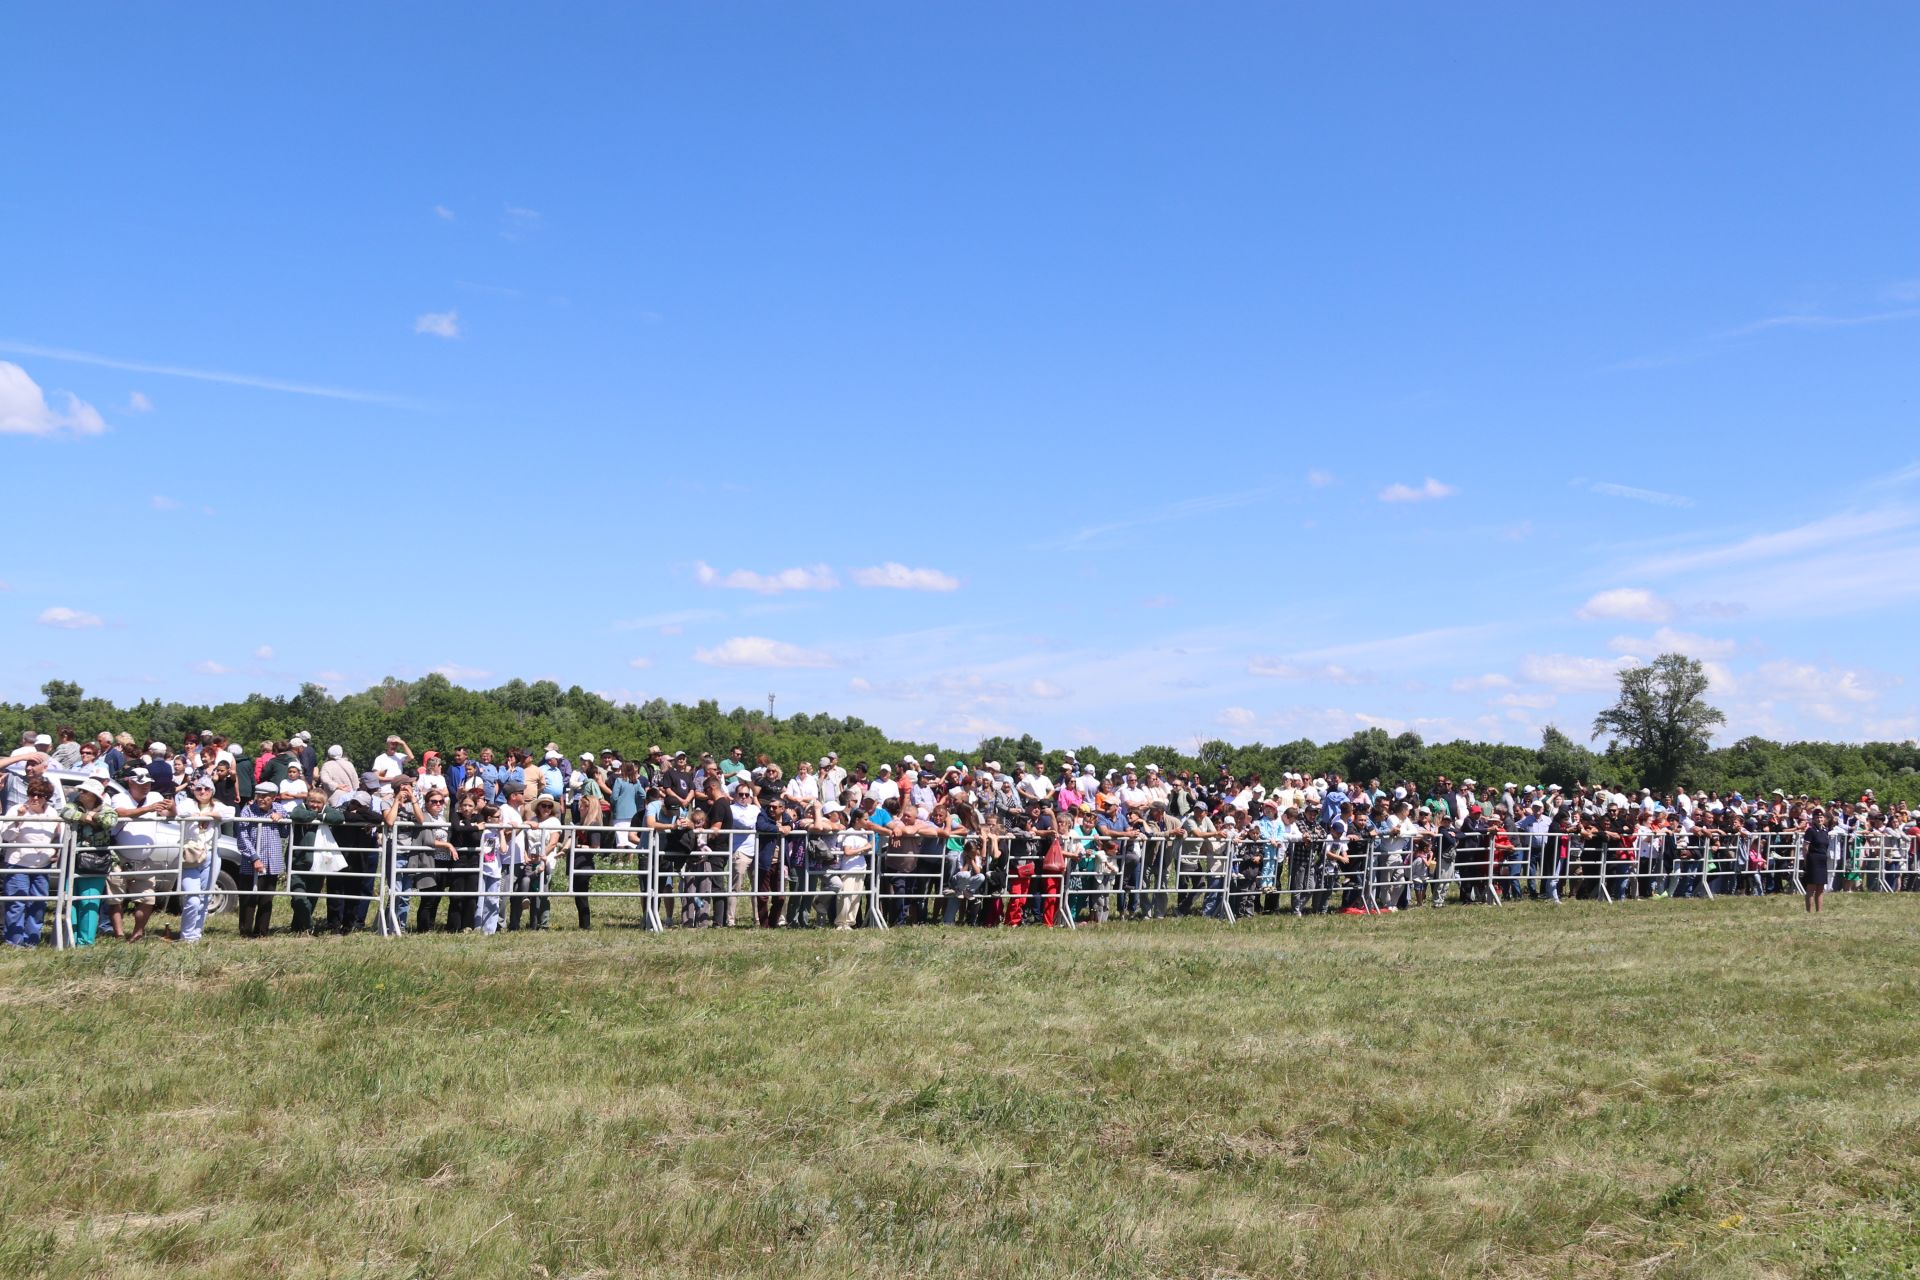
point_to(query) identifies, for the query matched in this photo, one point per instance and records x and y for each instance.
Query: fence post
(63, 895)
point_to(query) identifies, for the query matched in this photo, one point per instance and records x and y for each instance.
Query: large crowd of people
(462, 841)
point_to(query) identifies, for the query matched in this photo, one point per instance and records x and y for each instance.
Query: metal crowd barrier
(693, 877)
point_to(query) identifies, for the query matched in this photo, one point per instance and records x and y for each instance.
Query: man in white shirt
(883, 788)
(391, 764)
(1031, 786)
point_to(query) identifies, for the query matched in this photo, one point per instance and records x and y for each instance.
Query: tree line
(1657, 735)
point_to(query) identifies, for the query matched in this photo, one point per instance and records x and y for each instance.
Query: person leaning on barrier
(140, 840)
(262, 839)
(314, 841)
(31, 840)
(90, 819)
(848, 879)
(201, 816)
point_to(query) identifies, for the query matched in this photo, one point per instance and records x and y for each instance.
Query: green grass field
(1653, 1089)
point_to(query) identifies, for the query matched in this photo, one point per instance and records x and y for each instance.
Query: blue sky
(1122, 373)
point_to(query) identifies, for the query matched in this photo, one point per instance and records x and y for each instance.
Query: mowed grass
(1652, 1089)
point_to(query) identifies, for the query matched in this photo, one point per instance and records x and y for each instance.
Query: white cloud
(441, 324)
(1408, 493)
(1635, 604)
(1491, 680)
(24, 410)
(161, 503)
(860, 684)
(1319, 479)
(1653, 496)
(1565, 673)
(330, 678)
(972, 728)
(1045, 690)
(1667, 640)
(640, 664)
(1530, 701)
(1806, 682)
(454, 671)
(264, 653)
(817, 578)
(211, 668)
(443, 213)
(758, 651)
(518, 223)
(898, 576)
(68, 619)
(1237, 717)
(139, 403)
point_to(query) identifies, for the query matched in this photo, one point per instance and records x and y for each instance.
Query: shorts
(136, 887)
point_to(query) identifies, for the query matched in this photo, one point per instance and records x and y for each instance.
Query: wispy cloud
(1187, 509)
(69, 619)
(1432, 489)
(759, 651)
(441, 324)
(1567, 673)
(1633, 604)
(900, 578)
(264, 653)
(1319, 479)
(1327, 672)
(1846, 528)
(1815, 321)
(443, 213)
(203, 375)
(1610, 490)
(211, 668)
(454, 671)
(24, 409)
(497, 290)
(516, 223)
(640, 664)
(162, 503)
(1236, 718)
(1668, 640)
(667, 623)
(138, 402)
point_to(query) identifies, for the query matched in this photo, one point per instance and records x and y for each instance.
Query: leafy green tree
(1662, 717)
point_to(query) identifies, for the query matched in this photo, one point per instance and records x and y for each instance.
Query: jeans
(1546, 870)
(530, 895)
(26, 907)
(87, 891)
(195, 883)
(486, 916)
